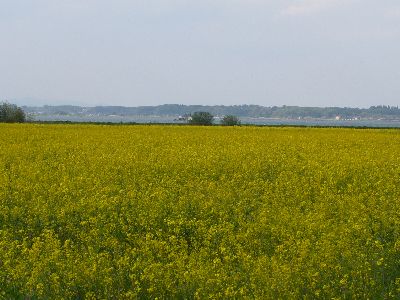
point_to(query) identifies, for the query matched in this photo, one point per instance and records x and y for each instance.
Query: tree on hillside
(230, 120)
(201, 118)
(10, 113)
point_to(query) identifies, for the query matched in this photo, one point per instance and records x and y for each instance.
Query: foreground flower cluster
(198, 212)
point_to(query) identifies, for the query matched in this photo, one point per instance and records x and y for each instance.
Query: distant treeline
(381, 111)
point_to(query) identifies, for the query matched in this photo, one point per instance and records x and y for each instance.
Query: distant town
(181, 112)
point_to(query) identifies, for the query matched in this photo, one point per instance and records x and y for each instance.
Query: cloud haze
(97, 52)
(306, 7)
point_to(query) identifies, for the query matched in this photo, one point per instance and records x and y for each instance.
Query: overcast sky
(150, 52)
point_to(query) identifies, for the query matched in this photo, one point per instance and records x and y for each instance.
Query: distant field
(245, 120)
(198, 212)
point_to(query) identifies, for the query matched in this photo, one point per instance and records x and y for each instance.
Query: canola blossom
(133, 212)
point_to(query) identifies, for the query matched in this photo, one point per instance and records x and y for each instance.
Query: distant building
(185, 118)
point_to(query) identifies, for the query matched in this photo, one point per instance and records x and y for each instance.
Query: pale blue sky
(120, 52)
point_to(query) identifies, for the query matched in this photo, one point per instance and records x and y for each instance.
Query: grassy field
(126, 212)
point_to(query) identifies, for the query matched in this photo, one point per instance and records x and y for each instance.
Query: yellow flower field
(96, 211)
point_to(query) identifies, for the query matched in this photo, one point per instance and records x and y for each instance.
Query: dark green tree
(10, 113)
(201, 118)
(230, 120)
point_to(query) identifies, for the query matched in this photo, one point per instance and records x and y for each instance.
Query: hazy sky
(149, 52)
